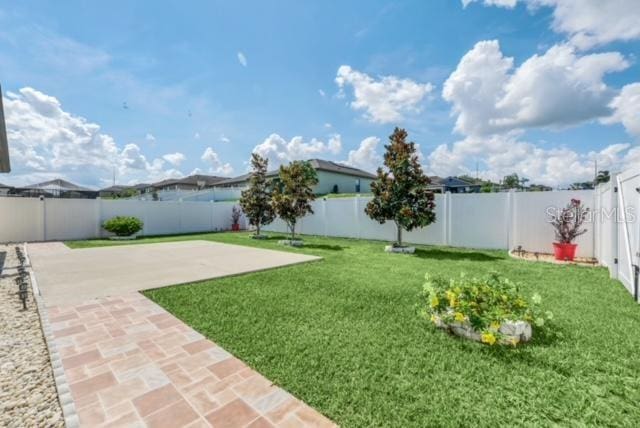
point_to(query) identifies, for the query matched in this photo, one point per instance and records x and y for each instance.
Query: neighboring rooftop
(317, 164)
(195, 179)
(58, 184)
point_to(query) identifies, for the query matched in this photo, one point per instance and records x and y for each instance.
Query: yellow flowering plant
(484, 304)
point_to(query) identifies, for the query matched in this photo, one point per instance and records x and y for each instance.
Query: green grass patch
(343, 335)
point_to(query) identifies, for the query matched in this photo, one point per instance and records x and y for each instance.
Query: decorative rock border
(513, 332)
(399, 250)
(291, 242)
(62, 386)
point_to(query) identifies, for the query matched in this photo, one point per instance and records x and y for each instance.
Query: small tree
(511, 181)
(256, 200)
(400, 193)
(292, 194)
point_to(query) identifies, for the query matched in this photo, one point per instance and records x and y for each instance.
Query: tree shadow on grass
(324, 247)
(437, 254)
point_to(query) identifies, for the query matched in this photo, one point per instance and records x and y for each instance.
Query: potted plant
(568, 226)
(236, 212)
(123, 227)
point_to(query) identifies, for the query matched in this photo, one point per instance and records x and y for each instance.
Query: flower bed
(490, 310)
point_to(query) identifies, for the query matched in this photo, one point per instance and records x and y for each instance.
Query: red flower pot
(235, 227)
(563, 251)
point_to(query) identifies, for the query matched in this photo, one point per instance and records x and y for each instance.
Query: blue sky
(538, 87)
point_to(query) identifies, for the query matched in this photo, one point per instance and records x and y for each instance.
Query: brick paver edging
(62, 386)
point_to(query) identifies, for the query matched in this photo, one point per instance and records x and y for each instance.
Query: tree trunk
(292, 226)
(399, 237)
(258, 229)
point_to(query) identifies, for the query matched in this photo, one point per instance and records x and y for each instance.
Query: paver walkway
(128, 362)
(71, 276)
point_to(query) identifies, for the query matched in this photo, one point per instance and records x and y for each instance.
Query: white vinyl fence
(33, 219)
(618, 228)
(476, 220)
(492, 220)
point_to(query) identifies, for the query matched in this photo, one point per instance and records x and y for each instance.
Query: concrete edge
(65, 399)
(315, 259)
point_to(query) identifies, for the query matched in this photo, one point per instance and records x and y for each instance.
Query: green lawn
(343, 335)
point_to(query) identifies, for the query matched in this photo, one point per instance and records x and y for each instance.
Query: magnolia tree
(292, 194)
(400, 191)
(256, 199)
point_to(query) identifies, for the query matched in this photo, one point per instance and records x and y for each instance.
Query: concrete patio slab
(68, 276)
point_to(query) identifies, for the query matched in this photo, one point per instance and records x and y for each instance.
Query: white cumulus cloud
(556, 89)
(174, 158)
(366, 156)
(500, 155)
(46, 139)
(587, 23)
(216, 166)
(280, 151)
(384, 100)
(626, 109)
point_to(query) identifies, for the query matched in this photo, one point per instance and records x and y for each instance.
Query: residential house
(453, 185)
(57, 188)
(333, 177)
(190, 183)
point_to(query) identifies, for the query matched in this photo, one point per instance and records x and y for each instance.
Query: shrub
(123, 225)
(484, 303)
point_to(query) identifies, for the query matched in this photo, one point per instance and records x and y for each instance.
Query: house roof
(449, 182)
(330, 166)
(58, 184)
(194, 179)
(5, 165)
(317, 164)
(116, 188)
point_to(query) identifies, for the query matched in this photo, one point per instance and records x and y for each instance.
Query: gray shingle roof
(317, 164)
(58, 184)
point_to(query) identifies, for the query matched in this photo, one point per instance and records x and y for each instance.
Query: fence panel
(531, 214)
(314, 224)
(21, 219)
(70, 219)
(479, 220)
(341, 217)
(196, 217)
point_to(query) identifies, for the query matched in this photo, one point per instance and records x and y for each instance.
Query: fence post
(324, 216)
(613, 263)
(43, 216)
(447, 218)
(511, 219)
(211, 215)
(356, 206)
(99, 216)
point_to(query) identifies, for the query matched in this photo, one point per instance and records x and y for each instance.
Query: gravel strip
(28, 394)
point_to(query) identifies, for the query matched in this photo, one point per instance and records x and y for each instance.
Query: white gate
(628, 184)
